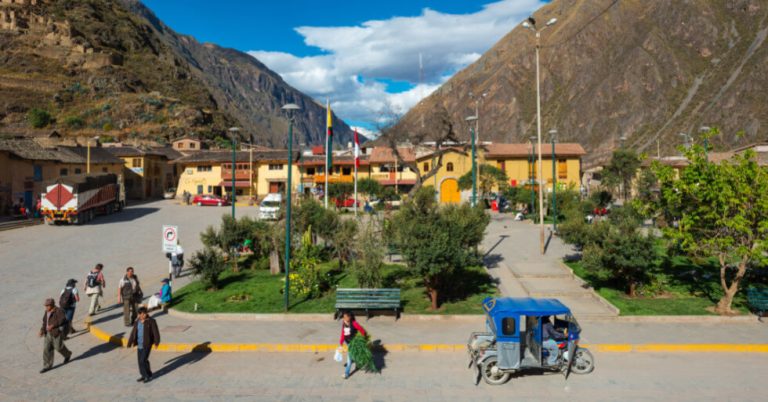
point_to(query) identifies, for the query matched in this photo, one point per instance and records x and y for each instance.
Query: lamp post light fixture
(530, 24)
(552, 136)
(233, 131)
(472, 128)
(687, 140)
(289, 109)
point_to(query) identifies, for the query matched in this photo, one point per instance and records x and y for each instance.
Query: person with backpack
(52, 330)
(129, 294)
(94, 283)
(68, 299)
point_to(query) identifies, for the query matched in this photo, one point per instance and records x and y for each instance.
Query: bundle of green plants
(360, 352)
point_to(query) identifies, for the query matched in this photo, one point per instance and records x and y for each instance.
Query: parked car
(346, 203)
(209, 200)
(170, 193)
(269, 209)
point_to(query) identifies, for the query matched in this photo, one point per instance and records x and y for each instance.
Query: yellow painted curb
(433, 347)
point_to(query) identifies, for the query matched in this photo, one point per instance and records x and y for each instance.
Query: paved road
(37, 261)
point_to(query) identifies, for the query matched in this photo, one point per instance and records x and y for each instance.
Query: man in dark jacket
(144, 335)
(53, 331)
(129, 294)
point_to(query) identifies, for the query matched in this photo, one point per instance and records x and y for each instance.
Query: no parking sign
(170, 238)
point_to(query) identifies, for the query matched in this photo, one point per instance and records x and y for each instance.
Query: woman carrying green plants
(353, 335)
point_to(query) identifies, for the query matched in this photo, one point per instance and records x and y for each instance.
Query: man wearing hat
(52, 330)
(68, 299)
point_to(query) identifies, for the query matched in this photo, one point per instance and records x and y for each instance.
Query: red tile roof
(385, 155)
(523, 150)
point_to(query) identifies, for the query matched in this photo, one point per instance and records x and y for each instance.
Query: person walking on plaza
(52, 330)
(129, 294)
(94, 283)
(143, 335)
(349, 329)
(68, 299)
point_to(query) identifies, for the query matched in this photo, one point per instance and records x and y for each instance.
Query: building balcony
(334, 178)
(239, 175)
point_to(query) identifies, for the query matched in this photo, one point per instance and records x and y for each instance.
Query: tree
(340, 190)
(436, 242)
(620, 172)
(488, 177)
(721, 212)
(305, 280)
(208, 264)
(370, 186)
(39, 118)
(232, 234)
(370, 255)
(343, 239)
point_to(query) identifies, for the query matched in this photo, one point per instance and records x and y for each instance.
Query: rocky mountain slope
(111, 68)
(643, 70)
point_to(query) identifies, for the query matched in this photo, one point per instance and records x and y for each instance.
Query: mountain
(112, 68)
(643, 70)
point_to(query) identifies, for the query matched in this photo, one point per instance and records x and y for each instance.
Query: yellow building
(312, 171)
(148, 171)
(456, 162)
(25, 165)
(514, 160)
(387, 170)
(256, 173)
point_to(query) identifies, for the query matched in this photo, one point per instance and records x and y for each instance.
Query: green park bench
(757, 298)
(368, 300)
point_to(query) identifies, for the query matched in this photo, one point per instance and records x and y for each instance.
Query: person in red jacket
(349, 329)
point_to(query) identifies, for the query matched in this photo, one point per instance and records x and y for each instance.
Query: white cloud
(357, 57)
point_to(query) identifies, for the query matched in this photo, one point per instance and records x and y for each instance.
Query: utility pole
(470, 120)
(233, 131)
(553, 134)
(289, 108)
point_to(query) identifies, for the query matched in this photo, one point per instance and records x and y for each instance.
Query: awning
(238, 184)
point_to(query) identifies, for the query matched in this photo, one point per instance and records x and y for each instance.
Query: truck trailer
(78, 199)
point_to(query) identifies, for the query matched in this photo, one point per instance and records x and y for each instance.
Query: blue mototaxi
(513, 340)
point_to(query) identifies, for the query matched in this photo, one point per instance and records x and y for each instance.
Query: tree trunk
(235, 268)
(433, 297)
(723, 306)
(632, 291)
(274, 262)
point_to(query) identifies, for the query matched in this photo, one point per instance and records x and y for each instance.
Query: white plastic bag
(339, 355)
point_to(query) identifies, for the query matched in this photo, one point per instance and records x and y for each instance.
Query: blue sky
(362, 55)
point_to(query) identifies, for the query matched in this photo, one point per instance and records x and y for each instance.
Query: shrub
(39, 118)
(208, 264)
(370, 256)
(74, 122)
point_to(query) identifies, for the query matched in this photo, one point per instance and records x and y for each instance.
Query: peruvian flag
(357, 151)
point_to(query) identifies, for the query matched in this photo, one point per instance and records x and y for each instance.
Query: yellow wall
(264, 176)
(190, 178)
(461, 165)
(146, 176)
(517, 169)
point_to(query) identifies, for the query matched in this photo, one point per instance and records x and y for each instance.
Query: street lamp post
(233, 131)
(705, 129)
(530, 24)
(471, 119)
(289, 108)
(552, 135)
(88, 154)
(531, 174)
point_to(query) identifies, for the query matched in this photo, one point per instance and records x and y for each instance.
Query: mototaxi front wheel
(583, 362)
(491, 373)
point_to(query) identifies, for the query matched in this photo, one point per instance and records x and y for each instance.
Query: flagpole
(327, 150)
(356, 163)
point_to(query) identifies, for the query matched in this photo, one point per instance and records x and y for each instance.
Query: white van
(269, 209)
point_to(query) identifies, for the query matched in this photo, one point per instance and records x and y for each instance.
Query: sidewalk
(512, 255)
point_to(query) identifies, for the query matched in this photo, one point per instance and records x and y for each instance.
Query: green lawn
(256, 291)
(682, 288)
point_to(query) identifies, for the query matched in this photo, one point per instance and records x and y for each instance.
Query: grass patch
(256, 291)
(680, 287)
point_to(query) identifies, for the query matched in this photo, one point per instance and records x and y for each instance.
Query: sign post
(170, 238)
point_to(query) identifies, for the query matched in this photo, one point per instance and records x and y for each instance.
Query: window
(181, 145)
(63, 172)
(104, 170)
(399, 168)
(199, 189)
(136, 162)
(311, 171)
(275, 166)
(38, 172)
(383, 169)
(449, 167)
(210, 189)
(425, 167)
(562, 169)
(508, 326)
(346, 171)
(78, 170)
(503, 166)
(192, 145)
(204, 168)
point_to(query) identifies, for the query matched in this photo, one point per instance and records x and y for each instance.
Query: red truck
(78, 199)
